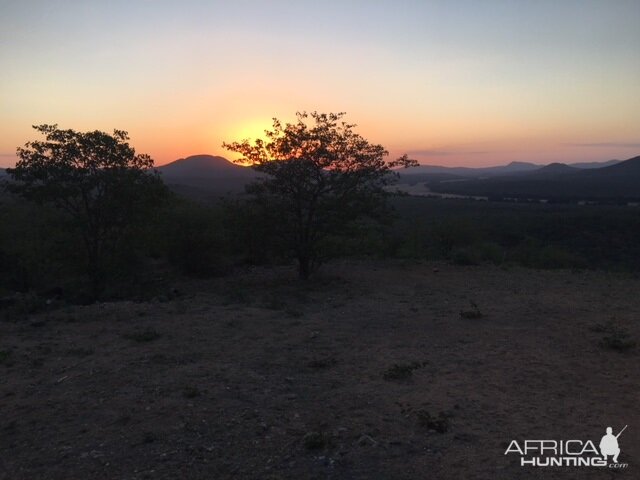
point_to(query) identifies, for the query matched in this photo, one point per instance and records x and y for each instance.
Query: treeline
(83, 217)
(468, 232)
(41, 251)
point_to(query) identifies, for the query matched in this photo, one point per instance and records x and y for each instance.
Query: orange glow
(455, 86)
(250, 130)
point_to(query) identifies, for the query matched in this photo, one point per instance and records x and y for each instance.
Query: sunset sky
(449, 82)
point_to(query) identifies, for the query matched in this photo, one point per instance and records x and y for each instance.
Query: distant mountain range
(509, 169)
(616, 179)
(585, 180)
(203, 175)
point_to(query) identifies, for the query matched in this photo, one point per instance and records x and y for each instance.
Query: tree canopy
(319, 176)
(98, 179)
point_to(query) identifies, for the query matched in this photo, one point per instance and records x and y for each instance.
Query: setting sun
(250, 130)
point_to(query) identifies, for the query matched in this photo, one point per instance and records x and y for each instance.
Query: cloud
(443, 153)
(604, 144)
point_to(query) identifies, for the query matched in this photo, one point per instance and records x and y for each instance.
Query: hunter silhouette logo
(569, 453)
(609, 444)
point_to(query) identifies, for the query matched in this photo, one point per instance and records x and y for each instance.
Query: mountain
(626, 169)
(206, 172)
(427, 172)
(552, 170)
(513, 167)
(198, 166)
(594, 164)
(620, 180)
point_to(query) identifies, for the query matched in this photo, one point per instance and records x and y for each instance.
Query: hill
(551, 170)
(588, 165)
(556, 181)
(430, 173)
(513, 167)
(630, 167)
(208, 172)
(198, 166)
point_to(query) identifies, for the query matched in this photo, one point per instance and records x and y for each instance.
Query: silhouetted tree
(97, 179)
(319, 176)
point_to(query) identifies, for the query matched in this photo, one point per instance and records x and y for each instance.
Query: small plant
(143, 336)
(322, 363)
(20, 307)
(11, 427)
(5, 357)
(464, 257)
(124, 419)
(273, 302)
(606, 327)
(236, 296)
(315, 440)
(293, 313)
(402, 371)
(473, 313)
(37, 362)
(616, 338)
(80, 352)
(439, 423)
(191, 392)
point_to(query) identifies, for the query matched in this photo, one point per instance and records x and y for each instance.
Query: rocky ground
(370, 371)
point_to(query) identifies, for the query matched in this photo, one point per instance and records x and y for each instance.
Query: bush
(465, 256)
(531, 254)
(197, 240)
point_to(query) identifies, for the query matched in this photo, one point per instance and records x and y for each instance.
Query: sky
(449, 82)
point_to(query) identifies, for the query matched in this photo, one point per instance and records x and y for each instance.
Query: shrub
(197, 243)
(616, 338)
(473, 313)
(439, 423)
(402, 371)
(143, 336)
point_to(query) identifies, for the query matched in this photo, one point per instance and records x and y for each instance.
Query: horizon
(421, 164)
(449, 83)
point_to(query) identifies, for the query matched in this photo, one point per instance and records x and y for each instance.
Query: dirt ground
(367, 372)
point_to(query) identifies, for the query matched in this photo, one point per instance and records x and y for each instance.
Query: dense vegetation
(41, 255)
(532, 235)
(85, 217)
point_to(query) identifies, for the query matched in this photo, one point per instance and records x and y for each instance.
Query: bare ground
(256, 376)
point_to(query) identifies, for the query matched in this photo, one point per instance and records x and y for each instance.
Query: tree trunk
(304, 267)
(94, 268)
